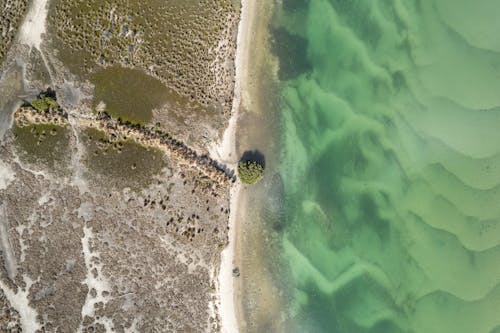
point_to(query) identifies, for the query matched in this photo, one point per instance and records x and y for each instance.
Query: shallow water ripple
(390, 167)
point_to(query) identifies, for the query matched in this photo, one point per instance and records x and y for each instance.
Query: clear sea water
(390, 165)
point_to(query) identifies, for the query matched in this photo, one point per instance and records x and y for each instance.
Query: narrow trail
(32, 29)
(117, 130)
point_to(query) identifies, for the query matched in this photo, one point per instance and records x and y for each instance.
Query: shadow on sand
(254, 155)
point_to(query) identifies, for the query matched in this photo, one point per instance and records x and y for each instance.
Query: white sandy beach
(226, 286)
(226, 152)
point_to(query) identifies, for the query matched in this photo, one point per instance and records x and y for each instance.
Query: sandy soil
(226, 287)
(255, 71)
(87, 256)
(226, 152)
(33, 26)
(92, 257)
(247, 101)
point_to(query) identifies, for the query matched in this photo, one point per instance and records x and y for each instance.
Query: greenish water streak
(391, 165)
(129, 94)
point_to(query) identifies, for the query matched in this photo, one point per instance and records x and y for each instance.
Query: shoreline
(226, 153)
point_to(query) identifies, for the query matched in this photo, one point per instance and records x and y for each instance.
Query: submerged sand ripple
(394, 131)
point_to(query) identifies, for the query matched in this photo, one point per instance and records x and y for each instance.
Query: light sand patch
(20, 230)
(19, 300)
(226, 279)
(226, 152)
(7, 175)
(33, 26)
(45, 198)
(95, 280)
(78, 178)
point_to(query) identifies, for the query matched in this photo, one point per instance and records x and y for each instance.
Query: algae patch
(129, 94)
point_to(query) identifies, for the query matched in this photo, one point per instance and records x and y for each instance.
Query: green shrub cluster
(43, 103)
(250, 172)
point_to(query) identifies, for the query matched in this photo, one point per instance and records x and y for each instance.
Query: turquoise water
(390, 164)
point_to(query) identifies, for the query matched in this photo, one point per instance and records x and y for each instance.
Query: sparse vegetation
(10, 18)
(120, 163)
(170, 40)
(250, 172)
(43, 145)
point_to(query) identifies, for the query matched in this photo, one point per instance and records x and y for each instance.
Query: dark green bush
(43, 103)
(250, 172)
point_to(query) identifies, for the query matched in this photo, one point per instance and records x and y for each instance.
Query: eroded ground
(109, 232)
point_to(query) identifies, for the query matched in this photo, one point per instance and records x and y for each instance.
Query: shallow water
(129, 94)
(390, 165)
